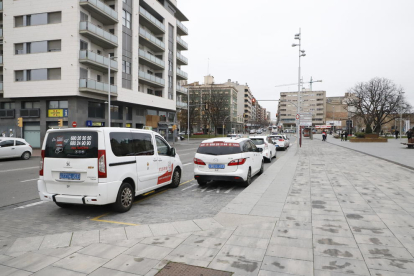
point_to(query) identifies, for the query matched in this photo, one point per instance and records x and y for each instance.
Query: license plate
(70, 176)
(277, 145)
(216, 166)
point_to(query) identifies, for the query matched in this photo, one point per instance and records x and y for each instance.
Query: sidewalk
(325, 211)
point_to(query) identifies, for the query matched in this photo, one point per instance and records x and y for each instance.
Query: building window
(126, 19)
(126, 67)
(150, 91)
(58, 104)
(7, 105)
(128, 110)
(38, 19)
(96, 110)
(83, 17)
(116, 112)
(83, 45)
(163, 116)
(158, 93)
(30, 105)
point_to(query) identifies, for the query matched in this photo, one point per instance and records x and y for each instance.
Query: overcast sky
(346, 42)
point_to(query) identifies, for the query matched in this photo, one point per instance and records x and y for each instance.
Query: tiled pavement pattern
(326, 211)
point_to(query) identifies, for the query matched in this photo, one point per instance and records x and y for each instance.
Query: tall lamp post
(301, 54)
(401, 111)
(109, 89)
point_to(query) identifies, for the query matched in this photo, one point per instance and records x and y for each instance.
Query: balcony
(181, 75)
(97, 62)
(87, 85)
(1, 7)
(181, 60)
(1, 60)
(150, 79)
(181, 44)
(182, 90)
(98, 36)
(1, 87)
(1, 33)
(181, 105)
(150, 60)
(7, 113)
(152, 23)
(181, 29)
(99, 10)
(150, 41)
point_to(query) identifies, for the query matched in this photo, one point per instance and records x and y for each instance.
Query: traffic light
(253, 101)
(60, 122)
(20, 122)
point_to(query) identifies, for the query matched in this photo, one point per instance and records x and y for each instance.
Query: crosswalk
(217, 190)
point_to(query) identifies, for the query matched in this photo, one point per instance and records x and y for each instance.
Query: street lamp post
(223, 123)
(401, 111)
(301, 54)
(109, 89)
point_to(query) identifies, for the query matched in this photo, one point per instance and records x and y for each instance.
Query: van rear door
(71, 162)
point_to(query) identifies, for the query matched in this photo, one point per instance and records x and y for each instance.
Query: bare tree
(377, 102)
(217, 108)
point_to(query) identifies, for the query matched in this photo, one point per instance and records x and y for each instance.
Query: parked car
(259, 131)
(252, 131)
(264, 142)
(227, 159)
(101, 166)
(280, 141)
(234, 135)
(11, 147)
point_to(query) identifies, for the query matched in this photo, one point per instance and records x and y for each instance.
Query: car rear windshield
(257, 141)
(72, 144)
(219, 148)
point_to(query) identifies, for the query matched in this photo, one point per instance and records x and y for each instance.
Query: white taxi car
(265, 143)
(280, 141)
(11, 147)
(227, 159)
(105, 165)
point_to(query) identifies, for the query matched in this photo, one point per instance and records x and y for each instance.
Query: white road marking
(22, 169)
(218, 190)
(204, 189)
(29, 180)
(188, 187)
(30, 205)
(187, 164)
(228, 191)
(194, 190)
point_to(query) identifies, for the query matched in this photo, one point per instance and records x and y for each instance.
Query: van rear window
(219, 148)
(257, 141)
(72, 144)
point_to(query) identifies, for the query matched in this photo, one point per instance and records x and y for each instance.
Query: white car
(101, 166)
(252, 131)
(265, 143)
(11, 147)
(227, 159)
(280, 141)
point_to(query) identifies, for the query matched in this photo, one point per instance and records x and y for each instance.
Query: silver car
(11, 147)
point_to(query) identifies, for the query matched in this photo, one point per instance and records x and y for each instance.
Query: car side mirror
(259, 150)
(172, 152)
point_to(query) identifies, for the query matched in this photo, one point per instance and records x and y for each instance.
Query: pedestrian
(396, 134)
(346, 135)
(342, 135)
(409, 135)
(323, 136)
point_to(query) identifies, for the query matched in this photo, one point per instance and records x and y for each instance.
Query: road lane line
(30, 205)
(188, 187)
(218, 190)
(186, 182)
(29, 180)
(204, 189)
(187, 164)
(228, 191)
(22, 169)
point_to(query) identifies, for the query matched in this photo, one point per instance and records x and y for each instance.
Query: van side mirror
(172, 152)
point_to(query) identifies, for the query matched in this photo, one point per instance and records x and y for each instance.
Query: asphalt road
(28, 216)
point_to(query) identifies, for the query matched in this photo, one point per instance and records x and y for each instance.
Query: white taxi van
(101, 166)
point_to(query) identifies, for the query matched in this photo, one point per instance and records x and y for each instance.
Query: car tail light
(42, 163)
(198, 161)
(30, 146)
(281, 140)
(101, 164)
(237, 162)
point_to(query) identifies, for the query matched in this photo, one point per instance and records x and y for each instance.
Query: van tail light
(198, 161)
(281, 140)
(237, 162)
(101, 164)
(42, 163)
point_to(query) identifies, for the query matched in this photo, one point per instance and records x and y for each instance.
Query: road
(28, 216)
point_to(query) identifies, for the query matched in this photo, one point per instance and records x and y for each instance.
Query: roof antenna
(208, 67)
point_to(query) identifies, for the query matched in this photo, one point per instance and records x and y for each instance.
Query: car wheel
(176, 179)
(267, 160)
(249, 178)
(63, 205)
(261, 169)
(201, 183)
(26, 155)
(125, 198)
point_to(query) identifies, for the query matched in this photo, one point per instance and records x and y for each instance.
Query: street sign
(74, 124)
(297, 116)
(305, 119)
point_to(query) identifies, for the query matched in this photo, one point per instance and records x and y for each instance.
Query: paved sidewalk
(325, 211)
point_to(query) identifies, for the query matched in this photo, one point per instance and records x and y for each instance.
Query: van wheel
(26, 155)
(249, 178)
(261, 169)
(267, 160)
(176, 179)
(125, 198)
(201, 183)
(63, 205)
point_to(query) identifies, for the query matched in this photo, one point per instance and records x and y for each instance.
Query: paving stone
(5, 245)
(248, 253)
(124, 243)
(331, 240)
(292, 242)
(272, 273)
(51, 270)
(152, 272)
(181, 259)
(395, 265)
(292, 233)
(56, 240)
(138, 232)
(208, 223)
(131, 264)
(202, 241)
(341, 265)
(329, 218)
(266, 211)
(186, 226)
(26, 244)
(102, 271)
(251, 232)
(148, 251)
(101, 250)
(248, 242)
(239, 266)
(30, 261)
(81, 263)
(4, 258)
(84, 238)
(165, 241)
(220, 233)
(234, 220)
(163, 229)
(338, 252)
(195, 252)
(59, 252)
(288, 252)
(288, 266)
(386, 252)
(375, 272)
(333, 273)
(332, 231)
(294, 224)
(378, 240)
(112, 234)
(10, 271)
(289, 217)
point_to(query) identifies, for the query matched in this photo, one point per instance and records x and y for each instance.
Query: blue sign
(88, 123)
(94, 124)
(65, 112)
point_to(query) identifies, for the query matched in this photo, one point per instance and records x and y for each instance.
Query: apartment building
(56, 57)
(311, 101)
(222, 97)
